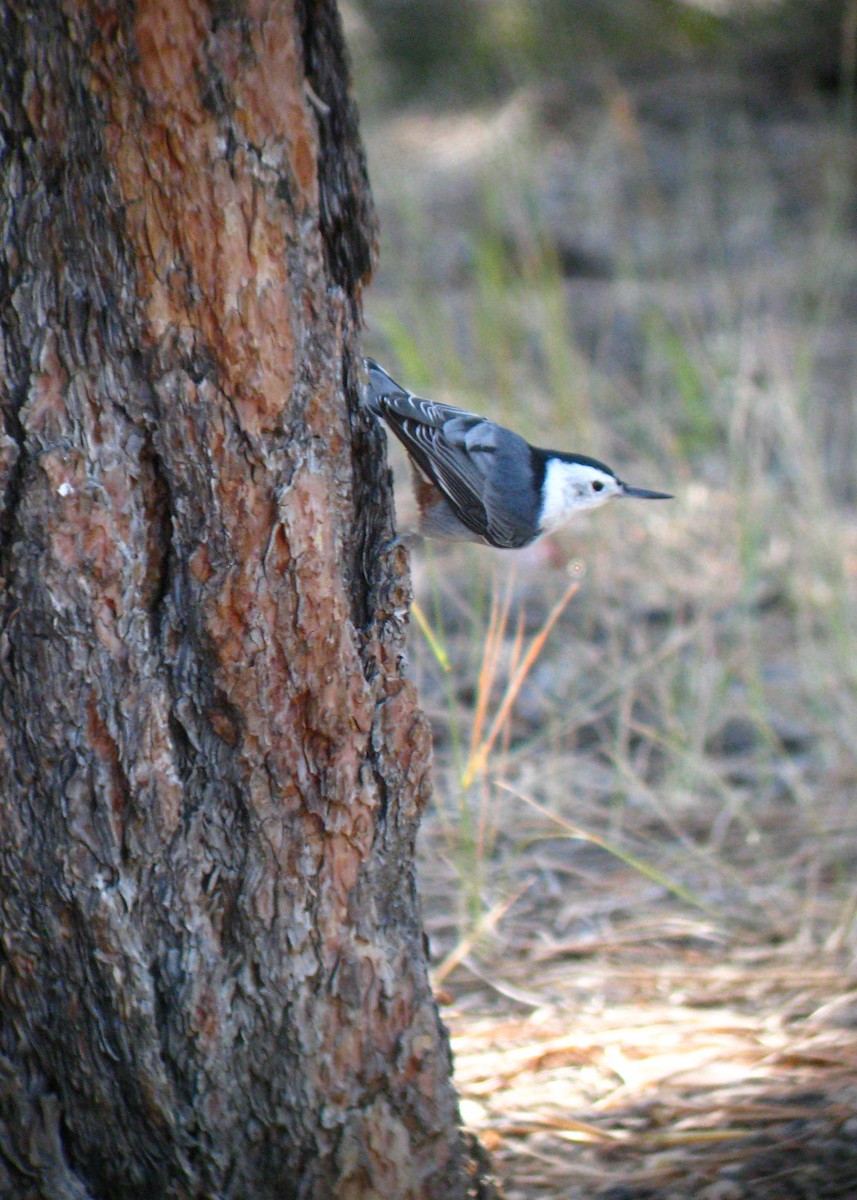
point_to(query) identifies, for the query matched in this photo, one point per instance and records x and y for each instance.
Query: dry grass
(638, 876)
(642, 912)
(670, 1080)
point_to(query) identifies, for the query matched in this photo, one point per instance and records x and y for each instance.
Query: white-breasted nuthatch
(478, 482)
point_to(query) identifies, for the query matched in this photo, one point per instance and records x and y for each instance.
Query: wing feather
(458, 451)
(445, 462)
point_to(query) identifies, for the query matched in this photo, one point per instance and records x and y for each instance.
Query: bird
(476, 481)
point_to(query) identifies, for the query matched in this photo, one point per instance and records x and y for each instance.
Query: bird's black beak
(644, 493)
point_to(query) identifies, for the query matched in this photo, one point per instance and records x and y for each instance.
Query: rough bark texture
(212, 977)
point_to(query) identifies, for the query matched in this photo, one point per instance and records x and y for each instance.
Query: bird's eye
(598, 486)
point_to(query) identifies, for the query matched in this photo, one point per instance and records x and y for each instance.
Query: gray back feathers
(477, 465)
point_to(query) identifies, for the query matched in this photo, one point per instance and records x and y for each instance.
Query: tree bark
(212, 974)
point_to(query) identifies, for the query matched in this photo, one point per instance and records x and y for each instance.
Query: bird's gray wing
(470, 459)
(436, 438)
(500, 467)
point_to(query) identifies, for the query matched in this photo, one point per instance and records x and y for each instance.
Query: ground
(638, 871)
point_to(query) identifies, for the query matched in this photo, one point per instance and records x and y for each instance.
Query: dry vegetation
(638, 875)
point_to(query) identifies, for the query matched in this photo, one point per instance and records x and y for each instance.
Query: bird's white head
(576, 484)
(573, 487)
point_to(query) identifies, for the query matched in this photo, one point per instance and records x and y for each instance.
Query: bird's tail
(379, 384)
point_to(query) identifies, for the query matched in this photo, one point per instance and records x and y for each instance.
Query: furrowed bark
(212, 974)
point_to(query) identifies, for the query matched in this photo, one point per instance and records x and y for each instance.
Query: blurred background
(628, 228)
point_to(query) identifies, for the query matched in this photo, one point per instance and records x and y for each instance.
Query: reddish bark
(212, 976)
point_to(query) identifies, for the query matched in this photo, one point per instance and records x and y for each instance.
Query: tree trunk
(212, 975)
